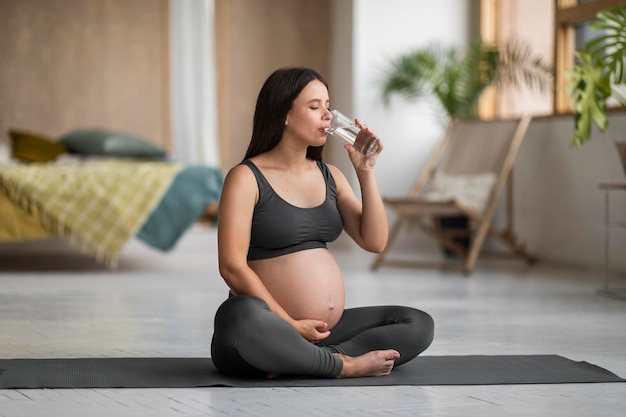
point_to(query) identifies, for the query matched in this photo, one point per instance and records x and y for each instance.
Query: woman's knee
(424, 326)
(239, 309)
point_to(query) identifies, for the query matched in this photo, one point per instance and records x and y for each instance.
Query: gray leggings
(250, 340)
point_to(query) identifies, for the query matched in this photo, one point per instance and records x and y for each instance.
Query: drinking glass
(342, 127)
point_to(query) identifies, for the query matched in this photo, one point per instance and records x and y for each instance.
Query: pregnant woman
(278, 209)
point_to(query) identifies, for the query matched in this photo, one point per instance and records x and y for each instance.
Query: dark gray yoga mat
(200, 372)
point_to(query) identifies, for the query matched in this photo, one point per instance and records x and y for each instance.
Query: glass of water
(342, 127)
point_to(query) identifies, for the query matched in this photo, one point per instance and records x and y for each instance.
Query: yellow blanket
(97, 206)
(18, 225)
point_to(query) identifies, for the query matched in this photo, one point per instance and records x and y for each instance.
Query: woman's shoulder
(338, 180)
(240, 169)
(240, 175)
(336, 172)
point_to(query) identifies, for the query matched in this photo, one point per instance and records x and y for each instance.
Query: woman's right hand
(312, 330)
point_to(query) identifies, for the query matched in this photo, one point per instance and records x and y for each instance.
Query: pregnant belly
(307, 284)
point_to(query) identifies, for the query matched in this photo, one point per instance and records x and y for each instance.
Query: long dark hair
(274, 102)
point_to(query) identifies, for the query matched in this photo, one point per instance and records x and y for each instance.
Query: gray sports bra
(279, 228)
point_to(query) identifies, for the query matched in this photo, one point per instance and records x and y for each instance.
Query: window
(554, 29)
(530, 22)
(572, 32)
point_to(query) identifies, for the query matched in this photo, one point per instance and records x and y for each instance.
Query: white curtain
(193, 82)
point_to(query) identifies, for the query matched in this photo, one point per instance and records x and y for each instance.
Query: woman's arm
(366, 221)
(236, 206)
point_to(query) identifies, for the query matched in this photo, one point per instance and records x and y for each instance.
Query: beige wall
(104, 63)
(88, 63)
(559, 206)
(255, 37)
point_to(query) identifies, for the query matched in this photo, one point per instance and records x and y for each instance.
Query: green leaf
(597, 66)
(457, 79)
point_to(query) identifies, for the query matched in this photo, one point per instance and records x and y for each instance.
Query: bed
(97, 201)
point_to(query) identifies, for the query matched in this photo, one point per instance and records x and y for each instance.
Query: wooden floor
(56, 303)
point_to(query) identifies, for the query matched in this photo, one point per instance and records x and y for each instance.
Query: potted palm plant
(597, 76)
(456, 79)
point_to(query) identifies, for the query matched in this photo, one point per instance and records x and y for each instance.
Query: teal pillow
(107, 143)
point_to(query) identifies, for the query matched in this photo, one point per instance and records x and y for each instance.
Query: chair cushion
(471, 191)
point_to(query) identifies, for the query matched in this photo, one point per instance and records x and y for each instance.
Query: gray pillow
(108, 143)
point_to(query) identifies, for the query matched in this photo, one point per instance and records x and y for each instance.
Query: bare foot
(375, 363)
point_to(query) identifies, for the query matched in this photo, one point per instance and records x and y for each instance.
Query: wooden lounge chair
(464, 176)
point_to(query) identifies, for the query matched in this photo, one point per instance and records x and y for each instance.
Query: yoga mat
(200, 372)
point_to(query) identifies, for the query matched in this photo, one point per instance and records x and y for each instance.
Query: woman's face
(309, 115)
